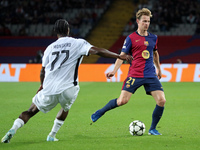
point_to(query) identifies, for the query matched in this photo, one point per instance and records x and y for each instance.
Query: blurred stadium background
(26, 27)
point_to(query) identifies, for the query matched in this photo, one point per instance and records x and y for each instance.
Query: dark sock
(157, 114)
(110, 105)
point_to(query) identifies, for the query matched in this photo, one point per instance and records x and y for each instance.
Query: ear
(137, 20)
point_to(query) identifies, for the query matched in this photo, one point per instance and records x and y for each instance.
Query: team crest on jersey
(145, 54)
(146, 43)
(128, 86)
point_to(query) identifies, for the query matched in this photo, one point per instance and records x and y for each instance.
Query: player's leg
(123, 99)
(26, 115)
(58, 122)
(159, 97)
(66, 99)
(19, 122)
(62, 115)
(129, 87)
(154, 87)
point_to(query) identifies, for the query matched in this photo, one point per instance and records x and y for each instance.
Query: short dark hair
(61, 27)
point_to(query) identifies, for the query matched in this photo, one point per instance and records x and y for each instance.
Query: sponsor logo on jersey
(146, 43)
(137, 40)
(145, 54)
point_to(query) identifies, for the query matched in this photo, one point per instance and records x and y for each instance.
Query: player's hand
(159, 74)
(110, 74)
(128, 58)
(40, 88)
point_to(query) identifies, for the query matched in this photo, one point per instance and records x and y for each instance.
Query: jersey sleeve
(156, 46)
(85, 47)
(127, 45)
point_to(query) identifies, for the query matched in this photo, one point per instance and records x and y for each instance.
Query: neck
(59, 36)
(142, 32)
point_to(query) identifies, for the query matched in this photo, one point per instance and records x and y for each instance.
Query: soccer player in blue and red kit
(142, 45)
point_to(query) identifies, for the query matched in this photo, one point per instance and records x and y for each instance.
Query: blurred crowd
(29, 12)
(166, 14)
(169, 13)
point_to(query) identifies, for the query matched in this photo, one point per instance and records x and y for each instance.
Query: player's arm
(106, 53)
(42, 75)
(125, 50)
(118, 64)
(157, 63)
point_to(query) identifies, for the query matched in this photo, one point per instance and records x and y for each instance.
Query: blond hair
(143, 11)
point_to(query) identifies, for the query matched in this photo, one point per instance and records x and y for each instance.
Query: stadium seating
(82, 15)
(110, 27)
(107, 28)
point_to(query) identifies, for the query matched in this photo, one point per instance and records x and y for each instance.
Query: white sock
(18, 123)
(56, 127)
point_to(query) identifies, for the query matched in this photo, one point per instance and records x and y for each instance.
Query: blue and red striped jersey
(141, 48)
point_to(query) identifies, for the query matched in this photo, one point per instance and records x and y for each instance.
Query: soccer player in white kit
(59, 78)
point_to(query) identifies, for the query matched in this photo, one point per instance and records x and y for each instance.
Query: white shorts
(47, 102)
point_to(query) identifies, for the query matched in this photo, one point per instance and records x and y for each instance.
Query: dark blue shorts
(150, 84)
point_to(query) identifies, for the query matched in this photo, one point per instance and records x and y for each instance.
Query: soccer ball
(137, 128)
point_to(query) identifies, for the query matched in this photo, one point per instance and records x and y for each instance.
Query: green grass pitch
(179, 125)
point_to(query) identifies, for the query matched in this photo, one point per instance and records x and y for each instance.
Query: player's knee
(161, 102)
(32, 111)
(122, 102)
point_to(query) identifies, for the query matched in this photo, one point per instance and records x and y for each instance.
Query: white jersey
(61, 61)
